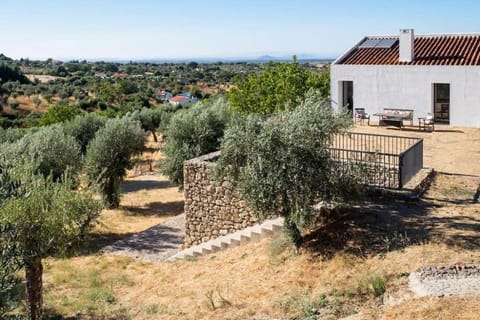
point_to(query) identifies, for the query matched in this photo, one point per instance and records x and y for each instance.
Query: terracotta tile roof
(178, 99)
(458, 50)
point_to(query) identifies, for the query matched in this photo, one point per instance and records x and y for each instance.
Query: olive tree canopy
(282, 164)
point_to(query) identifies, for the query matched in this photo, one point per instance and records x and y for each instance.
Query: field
(342, 271)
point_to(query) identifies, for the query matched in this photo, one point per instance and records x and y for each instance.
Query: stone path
(156, 244)
(446, 280)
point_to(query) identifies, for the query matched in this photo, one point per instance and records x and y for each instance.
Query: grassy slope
(264, 280)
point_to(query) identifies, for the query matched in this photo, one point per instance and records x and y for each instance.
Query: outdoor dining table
(387, 119)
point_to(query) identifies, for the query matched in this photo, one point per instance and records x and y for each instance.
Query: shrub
(14, 104)
(191, 133)
(10, 135)
(109, 156)
(83, 128)
(375, 286)
(58, 113)
(282, 163)
(278, 87)
(301, 304)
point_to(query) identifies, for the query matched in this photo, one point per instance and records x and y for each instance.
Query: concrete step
(255, 232)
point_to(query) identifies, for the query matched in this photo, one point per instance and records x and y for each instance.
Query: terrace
(386, 161)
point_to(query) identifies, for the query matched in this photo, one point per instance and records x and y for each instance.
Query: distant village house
(182, 99)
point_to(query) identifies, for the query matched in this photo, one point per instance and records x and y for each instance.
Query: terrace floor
(448, 149)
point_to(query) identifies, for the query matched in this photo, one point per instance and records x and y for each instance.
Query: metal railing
(378, 160)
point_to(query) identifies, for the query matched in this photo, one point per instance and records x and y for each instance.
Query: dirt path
(156, 244)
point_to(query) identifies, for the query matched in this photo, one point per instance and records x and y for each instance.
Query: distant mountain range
(261, 59)
(302, 58)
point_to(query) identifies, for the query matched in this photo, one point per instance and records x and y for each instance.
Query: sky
(144, 29)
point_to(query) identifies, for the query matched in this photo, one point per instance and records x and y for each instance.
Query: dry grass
(382, 240)
(147, 200)
(450, 308)
(41, 77)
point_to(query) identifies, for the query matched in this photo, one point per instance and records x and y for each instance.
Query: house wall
(410, 87)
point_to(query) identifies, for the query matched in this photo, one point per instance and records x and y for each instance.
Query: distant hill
(8, 73)
(5, 58)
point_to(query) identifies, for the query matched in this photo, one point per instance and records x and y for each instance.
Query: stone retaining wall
(212, 208)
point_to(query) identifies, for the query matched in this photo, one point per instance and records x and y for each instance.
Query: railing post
(400, 170)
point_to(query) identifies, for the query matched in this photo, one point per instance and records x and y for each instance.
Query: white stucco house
(436, 74)
(182, 100)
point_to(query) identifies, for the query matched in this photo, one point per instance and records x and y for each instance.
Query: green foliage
(10, 135)
(278, 87)
(10, 254)
(301, 304)
(83, 128)
(14, 104)
(48, 151)
(10, 251)
(109, 156)
(282, 163)
(48, 216)
(375, 286)
(191, 133)
(11, 74)
(149, 119)
(58, 113)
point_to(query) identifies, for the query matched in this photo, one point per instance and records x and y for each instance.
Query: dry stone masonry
(212, 207)
(455, 279)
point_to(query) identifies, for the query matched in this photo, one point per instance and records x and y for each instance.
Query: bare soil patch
(41, 77)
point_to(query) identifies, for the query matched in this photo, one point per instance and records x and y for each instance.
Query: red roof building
(440, 50)
(437, 75)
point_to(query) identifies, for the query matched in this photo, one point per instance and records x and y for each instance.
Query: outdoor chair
(427, 123)
(361, 116)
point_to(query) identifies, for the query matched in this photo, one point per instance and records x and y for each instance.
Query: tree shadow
(449, 130)
(52, 314)
(157, 208)
(156, 239)
(137, 185)
(380, 226)
(98, 240)
(417, 130)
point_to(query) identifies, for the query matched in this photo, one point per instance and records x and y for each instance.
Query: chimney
(406, 45)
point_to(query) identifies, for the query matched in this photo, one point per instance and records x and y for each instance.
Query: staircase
(246, 235)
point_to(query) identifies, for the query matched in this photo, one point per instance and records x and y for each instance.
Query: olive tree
(48, 150)
(150, 120)
(10, 251)
(191, 133)
(109, 155)
(83, 128)
(48, 216)
(282, 164)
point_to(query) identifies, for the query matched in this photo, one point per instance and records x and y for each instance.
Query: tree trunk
(111, 198)
(294, 233)
(34, 286)
(154, 136)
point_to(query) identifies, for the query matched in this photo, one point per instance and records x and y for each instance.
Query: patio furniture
(395, 117)
(361, 116)
(426, 123)
(395, 113)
